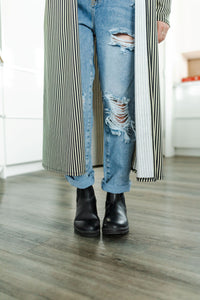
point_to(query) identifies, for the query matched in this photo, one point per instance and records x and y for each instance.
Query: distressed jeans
(112, 22)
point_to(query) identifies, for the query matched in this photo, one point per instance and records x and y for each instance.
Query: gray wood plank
(42, 258)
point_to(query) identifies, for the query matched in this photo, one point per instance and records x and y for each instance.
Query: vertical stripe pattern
(63, 126)
(153, 12)
(144, 153)
(154, 87)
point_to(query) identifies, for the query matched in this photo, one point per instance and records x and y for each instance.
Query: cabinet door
(186, 123)
(186, 133)
(23, 140)
(22, 33)
(23, 94)
(187, 100)
(22, 51)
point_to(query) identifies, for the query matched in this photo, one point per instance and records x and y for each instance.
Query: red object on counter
(191, 78)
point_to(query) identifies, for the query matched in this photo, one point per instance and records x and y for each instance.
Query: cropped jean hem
(85, 182)
(115, 189)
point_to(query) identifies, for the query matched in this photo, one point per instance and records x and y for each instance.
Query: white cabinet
(23, 140)
(21, 86)
(22, 93)
(186, 118)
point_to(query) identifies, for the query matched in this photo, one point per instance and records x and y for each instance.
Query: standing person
(127, 33)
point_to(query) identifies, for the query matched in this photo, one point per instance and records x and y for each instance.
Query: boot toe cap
(87, 226)
(114, 228)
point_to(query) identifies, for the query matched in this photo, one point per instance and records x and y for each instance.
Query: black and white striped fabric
(63, 127)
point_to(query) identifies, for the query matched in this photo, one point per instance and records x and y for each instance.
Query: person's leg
(114, 29)
(86, 221)
(87, 77)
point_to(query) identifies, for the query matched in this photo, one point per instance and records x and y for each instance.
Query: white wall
(185, 34)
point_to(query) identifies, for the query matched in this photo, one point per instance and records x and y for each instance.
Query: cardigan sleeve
(163, 10)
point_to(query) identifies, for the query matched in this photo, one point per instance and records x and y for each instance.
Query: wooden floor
(42, 258)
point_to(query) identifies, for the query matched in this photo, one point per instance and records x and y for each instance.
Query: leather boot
(86, 220)
(115, 220)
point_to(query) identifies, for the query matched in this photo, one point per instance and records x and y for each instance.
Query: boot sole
(87, 233)
(115, 231)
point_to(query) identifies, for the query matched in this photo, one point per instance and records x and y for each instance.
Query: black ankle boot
(115, 220)
(86, 221)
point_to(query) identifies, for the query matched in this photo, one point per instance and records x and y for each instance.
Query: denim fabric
(115, 55)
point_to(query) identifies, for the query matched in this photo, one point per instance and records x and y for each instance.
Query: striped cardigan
(63, 126)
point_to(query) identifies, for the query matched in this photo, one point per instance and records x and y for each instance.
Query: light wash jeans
(115, 55)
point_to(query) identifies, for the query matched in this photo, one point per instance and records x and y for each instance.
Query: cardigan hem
(147, 179)
(139, 179)
(59, 171)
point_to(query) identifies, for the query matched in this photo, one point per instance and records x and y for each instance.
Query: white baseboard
(13, 170)
(187, 152)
